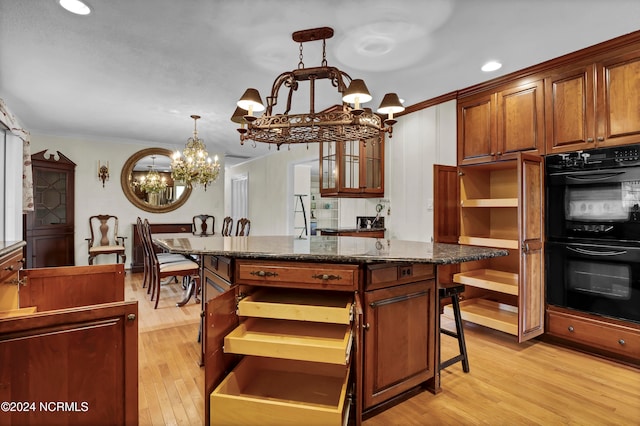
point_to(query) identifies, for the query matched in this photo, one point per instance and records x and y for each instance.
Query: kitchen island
(320, 329)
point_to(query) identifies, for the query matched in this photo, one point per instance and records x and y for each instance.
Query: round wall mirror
(146, 181)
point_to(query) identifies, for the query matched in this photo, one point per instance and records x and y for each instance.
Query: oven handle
(597, 253)
(593, 177)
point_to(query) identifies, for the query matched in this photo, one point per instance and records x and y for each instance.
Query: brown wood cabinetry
(399, 338)
(283, 344)
(49, 229)
(594, 104)
(352, 169)
(501, 206)
(497, 124)
(80, 348)
(596, 334)
(260, 330)
(137, 258)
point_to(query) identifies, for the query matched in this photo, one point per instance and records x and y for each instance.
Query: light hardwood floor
(533, 383)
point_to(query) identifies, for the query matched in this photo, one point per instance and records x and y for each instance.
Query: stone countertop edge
(351, 249)
(9, 246)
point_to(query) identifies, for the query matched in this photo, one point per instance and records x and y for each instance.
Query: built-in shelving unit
(492, 213)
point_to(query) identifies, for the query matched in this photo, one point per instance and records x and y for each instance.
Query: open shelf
(488, 313)
(488, 242)
(490, 202)
(490, 279)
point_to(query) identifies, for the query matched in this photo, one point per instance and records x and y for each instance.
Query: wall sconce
(103, 172)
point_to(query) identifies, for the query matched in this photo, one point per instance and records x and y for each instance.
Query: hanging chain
(324, 53)
(300, 64)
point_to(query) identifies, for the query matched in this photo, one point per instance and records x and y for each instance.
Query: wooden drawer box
(386, 275)
(297, 275)
(297, 340)
(299, 305)
(262, 391)
(598, 334)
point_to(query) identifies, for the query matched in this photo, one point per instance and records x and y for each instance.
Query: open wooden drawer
(294, 340)
(263, 391)
(300, 305)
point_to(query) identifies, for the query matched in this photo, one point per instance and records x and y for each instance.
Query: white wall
(91, 198)
(420, 140)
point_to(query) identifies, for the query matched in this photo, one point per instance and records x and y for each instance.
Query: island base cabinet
(399, 340)
(306, 393)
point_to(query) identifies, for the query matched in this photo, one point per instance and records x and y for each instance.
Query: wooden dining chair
(243, 227)
(185, 268)
(227, 225)
(104, 238)
(203, 225)
(147, 263)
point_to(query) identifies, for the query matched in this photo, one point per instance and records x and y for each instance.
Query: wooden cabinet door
(531, 274)
(85, 358)
(570, 110)
(220, 319)
(520, 120)
(476, 129)
(399, 340)
(618, 109)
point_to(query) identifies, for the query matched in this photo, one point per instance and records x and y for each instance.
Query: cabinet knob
(600, 138)
(621, 341)
(570, 329)
(8, 268)
(131, 317)
(366, 326)
(499, 152)
(589, 140)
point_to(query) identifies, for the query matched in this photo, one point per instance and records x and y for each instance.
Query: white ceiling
(135, 70)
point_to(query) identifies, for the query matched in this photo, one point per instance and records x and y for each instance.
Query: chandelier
(152, 182)
(196, 168)
(342, 123)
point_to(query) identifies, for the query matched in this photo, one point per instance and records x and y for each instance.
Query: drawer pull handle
(621, 341)
(264, 273)
(570, 329)
(8, 268)
(326, 277)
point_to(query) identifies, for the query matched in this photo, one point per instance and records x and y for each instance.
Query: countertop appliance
(593, 231)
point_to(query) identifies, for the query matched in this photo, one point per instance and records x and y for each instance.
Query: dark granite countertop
(326, 249)
(9, 246)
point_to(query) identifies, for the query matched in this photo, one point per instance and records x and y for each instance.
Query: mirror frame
(125, 182)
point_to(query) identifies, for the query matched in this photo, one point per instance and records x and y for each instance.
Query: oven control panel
(593, 159)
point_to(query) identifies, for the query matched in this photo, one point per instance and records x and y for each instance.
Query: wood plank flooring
(533, 383)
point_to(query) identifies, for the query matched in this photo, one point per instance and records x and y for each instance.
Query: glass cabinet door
(352, 168)
(374, 165)
(328, 172)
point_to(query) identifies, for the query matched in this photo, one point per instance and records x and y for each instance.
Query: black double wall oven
(593, 231)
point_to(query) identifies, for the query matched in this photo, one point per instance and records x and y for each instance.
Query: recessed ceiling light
(75, 6)
(491, 66)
